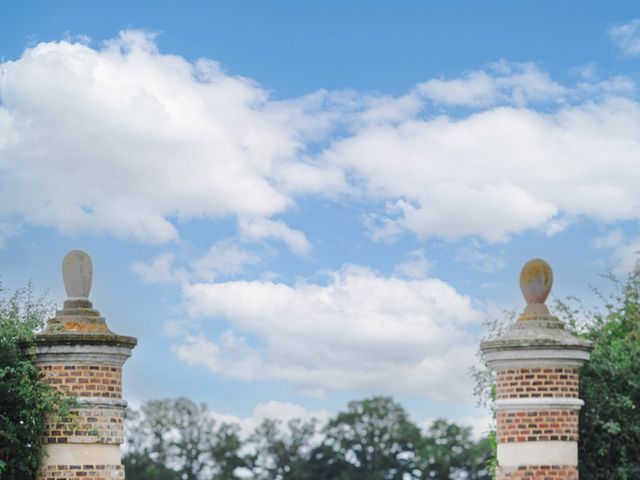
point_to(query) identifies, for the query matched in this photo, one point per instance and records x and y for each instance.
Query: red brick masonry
(535, 472)
(537, 382)
(85, 472)
(85, 380)
(537, 426)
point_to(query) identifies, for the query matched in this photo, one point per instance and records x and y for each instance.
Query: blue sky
(293, 204)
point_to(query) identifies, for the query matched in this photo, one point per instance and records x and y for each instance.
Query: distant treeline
(372, 440)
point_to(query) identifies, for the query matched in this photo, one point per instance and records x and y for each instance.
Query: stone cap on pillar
(78, 321)
(537, 338)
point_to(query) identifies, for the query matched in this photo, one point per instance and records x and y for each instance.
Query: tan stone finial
(536, 280)
(77, 273)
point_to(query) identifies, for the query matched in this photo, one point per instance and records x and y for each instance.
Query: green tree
(610, 381)
(146, 455)
(282, 453)
(25, 401)
(373, 440)
(449, 452)
(179, 439)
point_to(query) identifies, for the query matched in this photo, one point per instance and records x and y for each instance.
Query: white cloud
(360, 331)
(627, 37)
(124, 139)
(612, 239)
(263, 228)
(627, 256)
(476, 89)
(128, 141)
(587, 71)
(625, 253)
(225, 259)
(501, 171)
(505, 83)
(158, 270)
(416, 266)
(475, 257)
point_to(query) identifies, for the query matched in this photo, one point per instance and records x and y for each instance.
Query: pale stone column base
(80, 454)
(538, 453)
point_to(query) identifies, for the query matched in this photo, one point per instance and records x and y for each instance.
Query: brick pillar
(79, 355)
(537, 404)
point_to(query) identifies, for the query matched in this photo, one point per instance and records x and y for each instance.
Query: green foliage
(24, 399)
(372, 440)
(282, 453)
(450, 452)
(179, 440)
(610, 382)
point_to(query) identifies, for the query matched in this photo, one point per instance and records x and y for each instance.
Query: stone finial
(77, 273)
(77, 314)
(536, 279)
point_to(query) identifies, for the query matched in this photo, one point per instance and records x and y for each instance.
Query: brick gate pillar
(79, 355)
(537, 404)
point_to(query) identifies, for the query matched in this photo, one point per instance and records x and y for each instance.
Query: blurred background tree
(372, 440)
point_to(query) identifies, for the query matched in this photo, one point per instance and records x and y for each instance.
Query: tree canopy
(373, 439)
(610, 381)
(179, 439)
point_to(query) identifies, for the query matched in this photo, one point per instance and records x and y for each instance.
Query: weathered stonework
(537, 399)
(78, 355)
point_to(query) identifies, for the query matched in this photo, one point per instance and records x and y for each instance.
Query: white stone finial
(536, 279)
(77, 273)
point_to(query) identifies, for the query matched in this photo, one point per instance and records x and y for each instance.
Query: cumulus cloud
(224, 259)
(124, 139)
(477, 258)
(262, 228)
(627, 37)
(625, 252)
(359, 331)
(504, 83)
(499, 171)
(416, 265)
(158, 270)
